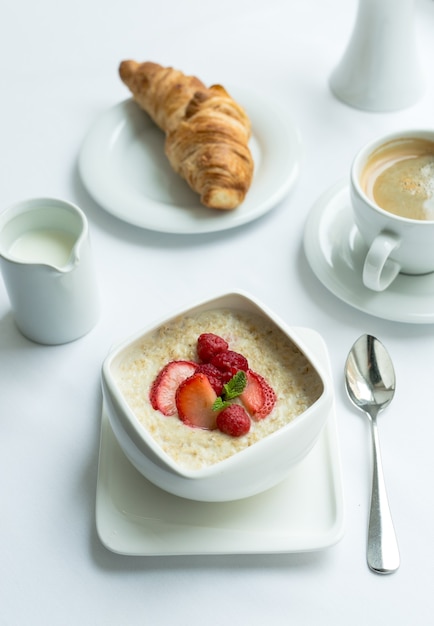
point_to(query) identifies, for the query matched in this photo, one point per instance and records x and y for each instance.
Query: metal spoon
(370, 383)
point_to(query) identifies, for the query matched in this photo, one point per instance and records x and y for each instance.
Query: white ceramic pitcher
(380, 69)
(45, 259)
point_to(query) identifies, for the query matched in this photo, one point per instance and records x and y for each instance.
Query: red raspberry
(229, 363)
(208, 345)
(233, 421)
(214, 376)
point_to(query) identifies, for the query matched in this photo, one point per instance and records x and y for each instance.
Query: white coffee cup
(46, 262)
(392, 196)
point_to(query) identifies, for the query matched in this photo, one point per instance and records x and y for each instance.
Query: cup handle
(379, 271)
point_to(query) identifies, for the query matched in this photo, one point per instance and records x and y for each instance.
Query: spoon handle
(383, 551)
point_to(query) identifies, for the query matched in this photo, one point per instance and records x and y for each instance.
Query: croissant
(207, 132)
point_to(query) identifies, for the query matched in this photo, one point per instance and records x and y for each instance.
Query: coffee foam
(399, 177)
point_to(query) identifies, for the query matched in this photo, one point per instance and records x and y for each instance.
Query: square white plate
(303, 513)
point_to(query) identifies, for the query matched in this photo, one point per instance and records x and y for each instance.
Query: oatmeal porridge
(269, 352)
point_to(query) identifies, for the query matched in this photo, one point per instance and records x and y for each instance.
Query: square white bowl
(246, 473)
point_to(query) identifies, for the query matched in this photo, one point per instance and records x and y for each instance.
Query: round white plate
(336, 252)
(124, 168)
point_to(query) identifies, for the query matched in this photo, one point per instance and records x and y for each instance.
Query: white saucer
(123, 166)
(336, 253)
(303, 513)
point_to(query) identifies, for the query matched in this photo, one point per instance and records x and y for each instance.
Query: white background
(58, 73)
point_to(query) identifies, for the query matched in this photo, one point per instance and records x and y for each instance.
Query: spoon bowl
(370, 384)
(369, 375)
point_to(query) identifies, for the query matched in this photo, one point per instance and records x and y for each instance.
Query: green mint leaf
(231, 390)
(220, 404)
(235, 386)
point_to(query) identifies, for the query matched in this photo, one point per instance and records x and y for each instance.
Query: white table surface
(58, 69)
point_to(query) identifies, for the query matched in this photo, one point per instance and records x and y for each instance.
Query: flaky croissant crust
(207, 132)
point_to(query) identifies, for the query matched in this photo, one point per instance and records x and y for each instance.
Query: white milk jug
(46, 263)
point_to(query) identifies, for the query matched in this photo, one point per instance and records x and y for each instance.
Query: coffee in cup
(392, 195)
(399, 177)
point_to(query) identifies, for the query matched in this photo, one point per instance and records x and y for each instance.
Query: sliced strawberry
(194, 400)
(258, 397)
(214, 376)
(208, 345)
(163, 389)
(229, 363)
(233, 421)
